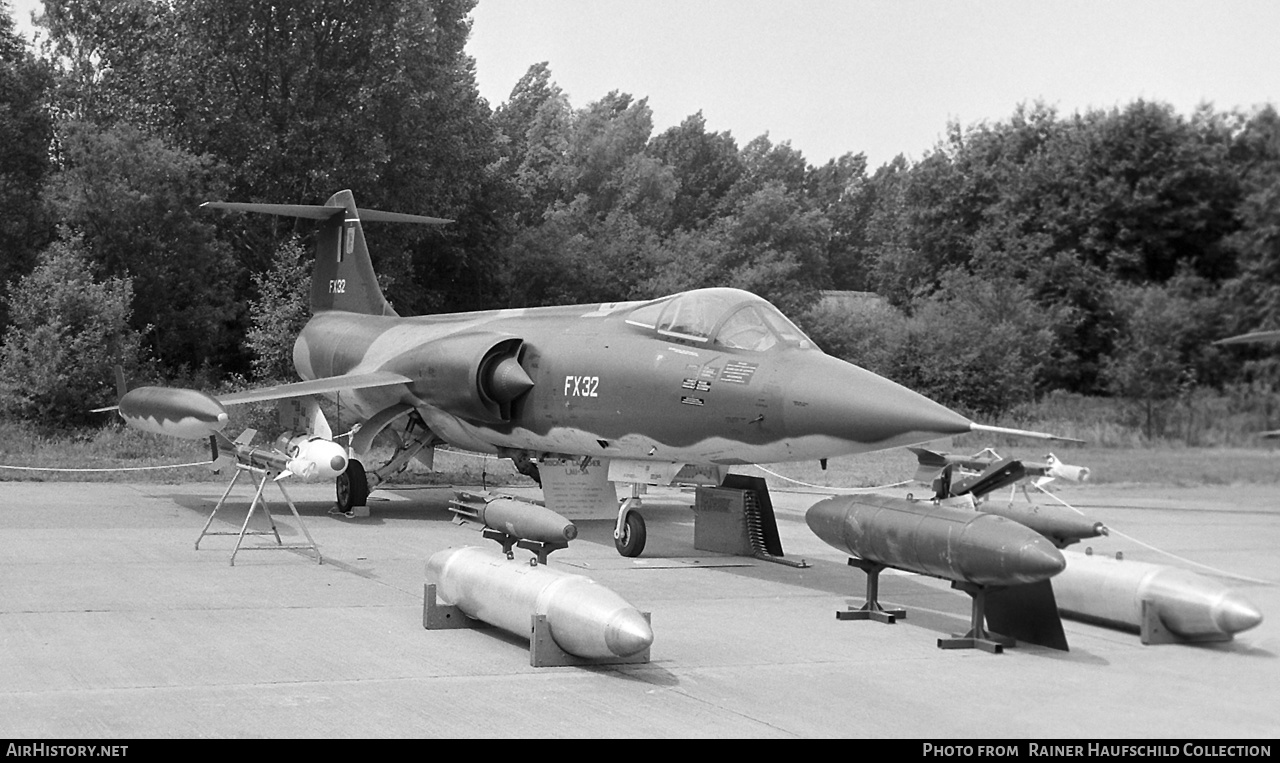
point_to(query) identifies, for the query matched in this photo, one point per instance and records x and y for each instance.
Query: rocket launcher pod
(175, 412)
(516, 518)
(585, 619)
(1151, 598)
(957, 544)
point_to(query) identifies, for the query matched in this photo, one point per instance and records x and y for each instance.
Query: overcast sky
(881, 77)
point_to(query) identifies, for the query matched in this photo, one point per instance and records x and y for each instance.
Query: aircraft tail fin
(343, 278)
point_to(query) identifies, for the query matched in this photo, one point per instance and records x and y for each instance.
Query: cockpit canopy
(729, 318)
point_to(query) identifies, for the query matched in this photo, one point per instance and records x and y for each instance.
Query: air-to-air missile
(304, 456)
(957, 544)
(184, 413)
(585, 619)
(1151, 598)
(1068, 472)
(514, 517)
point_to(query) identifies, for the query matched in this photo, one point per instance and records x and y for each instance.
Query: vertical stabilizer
(343, 278)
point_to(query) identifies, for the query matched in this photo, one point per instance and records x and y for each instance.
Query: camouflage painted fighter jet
(646, 392)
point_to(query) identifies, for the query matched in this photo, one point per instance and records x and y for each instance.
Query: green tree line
(1096, 253)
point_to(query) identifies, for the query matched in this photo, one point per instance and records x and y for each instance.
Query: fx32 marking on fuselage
(581, 386)
(338, 286)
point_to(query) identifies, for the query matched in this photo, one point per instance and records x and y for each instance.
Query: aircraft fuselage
(602, 385)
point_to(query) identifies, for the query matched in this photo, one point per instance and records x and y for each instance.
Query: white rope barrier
(1171, 555)
(832, 489)
(103, 469)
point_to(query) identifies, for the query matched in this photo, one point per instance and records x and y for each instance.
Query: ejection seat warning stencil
(738, 372)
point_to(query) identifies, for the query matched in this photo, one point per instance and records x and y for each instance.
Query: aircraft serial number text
(581, 386)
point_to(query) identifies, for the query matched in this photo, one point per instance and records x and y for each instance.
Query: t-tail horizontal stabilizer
(343, 278)
(319, 212)
(1257, 336)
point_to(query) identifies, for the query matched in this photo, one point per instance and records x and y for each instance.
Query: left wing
(315, 387)
(193, 415)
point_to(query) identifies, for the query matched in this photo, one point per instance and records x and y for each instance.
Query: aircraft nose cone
(1234, 613)
(837, 399)
(628, 633)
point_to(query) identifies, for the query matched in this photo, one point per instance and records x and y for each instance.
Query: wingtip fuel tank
(585, 619)
(176, 412)
(1113, 592)
(957, 544)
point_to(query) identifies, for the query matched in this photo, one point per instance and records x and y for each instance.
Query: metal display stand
(259, 499)
(540, 549)
(871, 610)
(978, 636)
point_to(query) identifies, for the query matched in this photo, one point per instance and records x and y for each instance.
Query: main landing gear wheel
(633, 536)
(352, 487)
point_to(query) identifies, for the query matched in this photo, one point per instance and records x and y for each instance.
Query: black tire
(631, 544)
(352, 487)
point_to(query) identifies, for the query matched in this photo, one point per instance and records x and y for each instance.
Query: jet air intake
(474, 376)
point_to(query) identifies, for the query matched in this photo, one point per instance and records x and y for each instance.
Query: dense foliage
(1094, 253)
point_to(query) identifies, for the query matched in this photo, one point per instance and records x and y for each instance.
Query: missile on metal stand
(932, 462)
(1058, 470)
(585, 619)
(957, 544)
(312, 457)
(303, 456)
(1151, 598)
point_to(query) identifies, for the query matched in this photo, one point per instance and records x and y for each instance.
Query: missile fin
(1027, 612)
